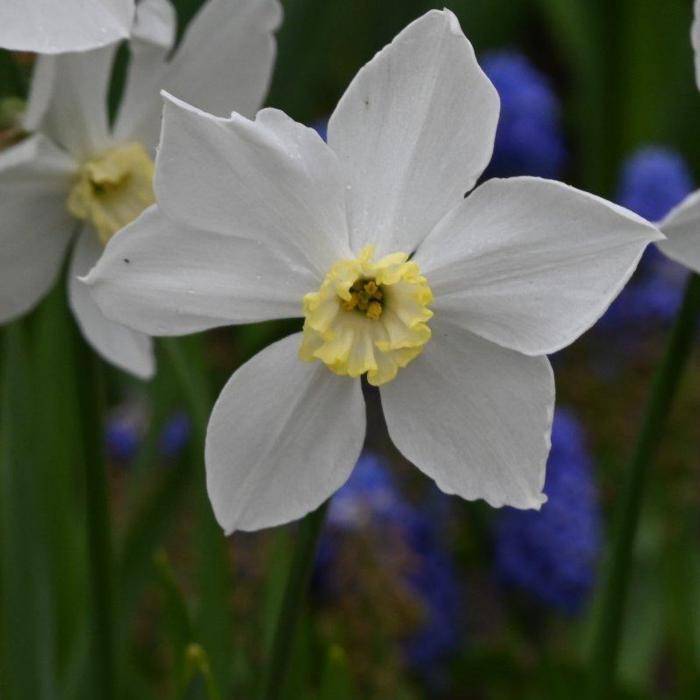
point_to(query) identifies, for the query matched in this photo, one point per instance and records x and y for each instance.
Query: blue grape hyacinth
(127, 425)
(122, 438)
(653, 180)
(552, 554)
(406, 548)
(529, 139)
(175, 435)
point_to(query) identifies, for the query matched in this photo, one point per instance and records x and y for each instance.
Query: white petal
(224, 63)
(284, 435)
(152, 39)
(474, 417)
(531, 264)
(414, 131)
(682, 228)
(123, 347)
(40, 92)
(155, 24)
(271, 180)
(56, 26)
(225, 60)
(69, 100)
(35, 226)
(695, 36)
(163, 279)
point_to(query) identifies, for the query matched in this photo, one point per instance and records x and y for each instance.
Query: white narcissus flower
(57, 26)
(682, 224)
(448, 304)
(76, 174)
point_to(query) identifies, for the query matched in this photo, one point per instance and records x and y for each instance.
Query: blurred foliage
(194, 611)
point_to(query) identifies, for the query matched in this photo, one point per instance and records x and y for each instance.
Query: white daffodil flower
(57, 26)
(448, 304)
(682, 224)
(78, 174)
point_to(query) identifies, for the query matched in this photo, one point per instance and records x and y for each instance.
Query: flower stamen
(365, 297)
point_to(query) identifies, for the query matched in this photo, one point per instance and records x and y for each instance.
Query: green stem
(193, 386)
(292, 603)
(98, 526)
(214, 618)
(27, 623)
(609, 627)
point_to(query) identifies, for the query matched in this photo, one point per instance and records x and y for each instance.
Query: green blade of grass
(213, 618)
(99, 538)
(177, 615)
(293, 604)
(27, 627)
(59, 453)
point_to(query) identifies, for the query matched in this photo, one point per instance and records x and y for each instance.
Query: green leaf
(213, 618)
(180, 630)
(103, 661)
(57, 420)
(154, 494)
(26, 606)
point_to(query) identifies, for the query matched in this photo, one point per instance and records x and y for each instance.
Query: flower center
(368, 317)
(112, 189)
(366, 297)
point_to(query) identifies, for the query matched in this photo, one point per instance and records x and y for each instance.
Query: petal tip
(452, 22)
(539, 501)
(89, 279)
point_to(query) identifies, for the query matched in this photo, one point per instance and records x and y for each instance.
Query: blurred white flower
(57, 26)
(78, 174)
(682, 225)
(448, 304)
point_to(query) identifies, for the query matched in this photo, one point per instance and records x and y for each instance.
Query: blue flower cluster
(122, 438)
(125, 429)
(371, 502)
(552, 553)
(529, 139)
(652, 181)
(175, 435)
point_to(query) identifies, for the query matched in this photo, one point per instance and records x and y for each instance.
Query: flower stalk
(292, 603)
(606, 643)
(213, 620)
(98, 525)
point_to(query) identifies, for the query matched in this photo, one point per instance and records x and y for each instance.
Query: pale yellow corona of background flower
(75, 174)
(448, 303)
